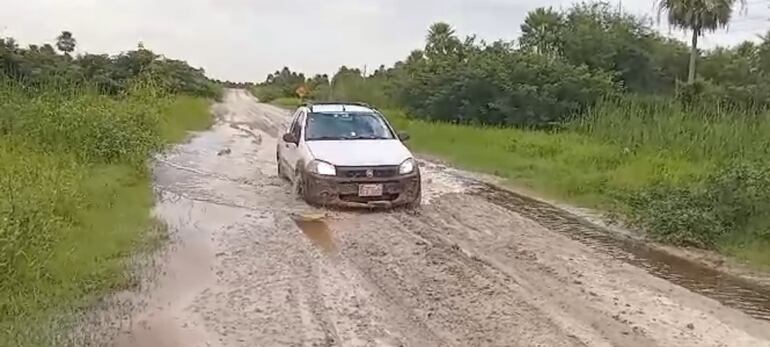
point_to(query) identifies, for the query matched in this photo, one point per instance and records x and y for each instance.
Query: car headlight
(407, 167)
(322, 168)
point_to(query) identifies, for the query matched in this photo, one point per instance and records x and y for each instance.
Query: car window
(294, 117)
(296, 127)
(346, 126)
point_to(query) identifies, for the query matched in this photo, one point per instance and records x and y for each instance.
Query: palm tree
(764, 52)
(541, 31)
(698, 16)
(47, 49)
(441, 39)
(66, 42)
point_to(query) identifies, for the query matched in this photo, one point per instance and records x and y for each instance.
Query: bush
(267, 93)
(499, 87)
(40, 66)
(350, 85)
(730, 204)
(93, 127)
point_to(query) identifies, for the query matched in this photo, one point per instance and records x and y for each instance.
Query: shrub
(93, 127)
(501, 87)
(267, 93)
(730, 203)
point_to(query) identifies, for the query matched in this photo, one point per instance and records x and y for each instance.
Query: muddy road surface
(244, 268)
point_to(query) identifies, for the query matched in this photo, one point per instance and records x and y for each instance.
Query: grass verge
(182, 115)
(289, 103)
(566, 166)
(75, 196)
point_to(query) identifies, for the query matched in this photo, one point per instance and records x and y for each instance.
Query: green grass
(75, 197)
(289, 103)
(690, 178)
(752, 252)
(566, 165)
(184, 114)
(275, 96)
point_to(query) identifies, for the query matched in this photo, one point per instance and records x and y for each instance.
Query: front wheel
(300, 186)
(417, 201)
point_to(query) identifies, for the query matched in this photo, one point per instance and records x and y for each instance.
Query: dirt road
(464, 270)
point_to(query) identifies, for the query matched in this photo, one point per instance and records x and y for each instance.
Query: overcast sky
(244, 40)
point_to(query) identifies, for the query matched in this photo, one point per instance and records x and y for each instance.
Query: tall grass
(75, 195)
(690, 176)
(704, 132)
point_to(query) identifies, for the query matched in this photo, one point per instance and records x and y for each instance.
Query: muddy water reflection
(318, 232)
(731, 291)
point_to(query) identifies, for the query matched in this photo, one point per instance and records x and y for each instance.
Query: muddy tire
(297, 183)
(300, 187)
(415, 204)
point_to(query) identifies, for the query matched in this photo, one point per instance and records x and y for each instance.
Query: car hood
(360, 152)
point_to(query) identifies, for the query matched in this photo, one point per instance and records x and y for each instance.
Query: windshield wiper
(370, 137)
(321, 138)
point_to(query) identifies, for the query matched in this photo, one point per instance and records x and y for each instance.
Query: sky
(244, 40)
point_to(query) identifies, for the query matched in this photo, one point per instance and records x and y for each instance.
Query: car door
(282, 148)
(290, 152)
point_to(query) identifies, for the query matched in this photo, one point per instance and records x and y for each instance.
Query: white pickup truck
(347, 154)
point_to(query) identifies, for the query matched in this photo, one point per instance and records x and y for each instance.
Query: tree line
(563, 63)
(46, 64)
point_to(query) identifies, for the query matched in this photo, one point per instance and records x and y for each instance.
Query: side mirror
(289, 137)
(403, 136)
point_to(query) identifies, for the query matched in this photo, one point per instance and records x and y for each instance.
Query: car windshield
(346, 126)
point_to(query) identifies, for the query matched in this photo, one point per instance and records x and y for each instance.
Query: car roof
(331, 107)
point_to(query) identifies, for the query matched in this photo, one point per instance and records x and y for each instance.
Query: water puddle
(185, 273)
(751, 298)
(316, 229)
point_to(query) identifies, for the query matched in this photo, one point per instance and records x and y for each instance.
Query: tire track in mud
(457, 297)
(732, 291)
(464, 270)
(527, 280)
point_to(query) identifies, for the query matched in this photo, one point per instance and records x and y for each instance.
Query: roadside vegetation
(286, 102)
(593, 106)
(76, 134)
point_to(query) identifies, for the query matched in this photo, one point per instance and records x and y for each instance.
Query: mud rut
(463, 270)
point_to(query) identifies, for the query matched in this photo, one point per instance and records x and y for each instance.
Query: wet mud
(250, 264)
(749, 297)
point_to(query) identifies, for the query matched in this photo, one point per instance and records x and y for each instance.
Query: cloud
(244, 40)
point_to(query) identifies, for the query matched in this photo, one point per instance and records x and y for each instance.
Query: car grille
(365, 199)
(367, 172)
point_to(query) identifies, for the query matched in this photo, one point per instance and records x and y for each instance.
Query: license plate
(370, 190)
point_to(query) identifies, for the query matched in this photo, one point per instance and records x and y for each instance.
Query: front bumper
(341, 191)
